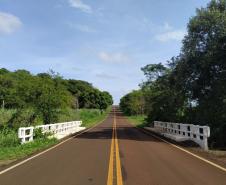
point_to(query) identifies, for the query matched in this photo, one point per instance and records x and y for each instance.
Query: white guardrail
(59, 130)
(182, 132)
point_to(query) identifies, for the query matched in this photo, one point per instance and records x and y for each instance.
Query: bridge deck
(84, 160)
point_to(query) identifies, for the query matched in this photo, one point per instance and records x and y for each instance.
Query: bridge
(116, 152)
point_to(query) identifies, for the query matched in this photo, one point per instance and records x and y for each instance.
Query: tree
(133, 103)
(162, 101)
(45, 95)
(201, 70)
(88, 96)
(192, 88)
(105, 100)
(154, 71)
(51, 97)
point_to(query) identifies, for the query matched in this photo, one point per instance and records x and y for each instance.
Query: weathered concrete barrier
(182, 132)
(59, 130)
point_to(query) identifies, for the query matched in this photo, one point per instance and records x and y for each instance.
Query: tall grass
(138, 120)
(93, 116)
(8, 138)
(19, 151)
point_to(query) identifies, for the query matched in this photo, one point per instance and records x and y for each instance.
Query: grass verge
(20, 151)
(91, 118)
(138, 120)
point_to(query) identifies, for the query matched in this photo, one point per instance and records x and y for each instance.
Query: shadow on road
(125, 130)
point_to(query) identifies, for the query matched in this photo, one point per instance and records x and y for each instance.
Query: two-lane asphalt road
(114, 153)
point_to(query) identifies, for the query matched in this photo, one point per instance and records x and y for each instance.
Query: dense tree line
(46, 94)
(133, 103)
(191, 88)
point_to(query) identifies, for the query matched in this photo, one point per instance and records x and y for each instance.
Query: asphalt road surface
(114, 153)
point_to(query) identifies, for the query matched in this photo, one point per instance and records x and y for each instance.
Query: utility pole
(76, 103)
(3, 104)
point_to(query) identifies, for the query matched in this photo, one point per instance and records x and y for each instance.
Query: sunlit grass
(138, 120)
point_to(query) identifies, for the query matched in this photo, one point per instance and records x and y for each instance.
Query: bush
(22, 117)
(9, 138)
(38, 134)
(69, 114)
(5, 116)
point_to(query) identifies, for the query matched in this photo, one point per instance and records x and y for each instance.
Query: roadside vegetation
(138, 120)
(93, 117)
(191, 87)
(11, 149)
(28, 100)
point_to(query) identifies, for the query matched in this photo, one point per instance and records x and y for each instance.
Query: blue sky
(105, 42)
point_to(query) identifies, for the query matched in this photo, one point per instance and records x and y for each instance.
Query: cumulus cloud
(80, 5)
(171, 35)
(9, 23)
(114, 57)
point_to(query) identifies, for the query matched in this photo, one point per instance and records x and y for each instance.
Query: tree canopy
(47, 94)
(191, 88)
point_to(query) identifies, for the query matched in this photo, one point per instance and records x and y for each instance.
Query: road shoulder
(215, 156)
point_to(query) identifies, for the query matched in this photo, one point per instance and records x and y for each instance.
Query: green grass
(138, 120)
(8, 138)
(89, 117)
(20, 151)
(92, 117)
(10, 147)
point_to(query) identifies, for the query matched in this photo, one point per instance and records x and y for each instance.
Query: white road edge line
(188, 152)
(28, 159)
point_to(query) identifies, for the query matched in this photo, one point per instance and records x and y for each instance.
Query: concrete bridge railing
(59, 130)
(181, 132)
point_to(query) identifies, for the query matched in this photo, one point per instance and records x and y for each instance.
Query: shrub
(38, 134)
(8, 138)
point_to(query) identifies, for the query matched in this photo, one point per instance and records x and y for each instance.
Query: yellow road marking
(118, 163)
(114, 147)
(111, 161)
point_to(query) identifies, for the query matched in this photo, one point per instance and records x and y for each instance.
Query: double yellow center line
(114, 158)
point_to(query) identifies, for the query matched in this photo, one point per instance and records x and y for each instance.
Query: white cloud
(171, 35)
(114, 57)
(9, 23)
(80, 5)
